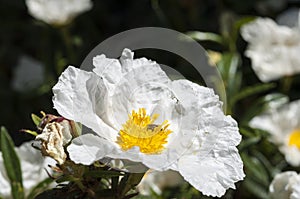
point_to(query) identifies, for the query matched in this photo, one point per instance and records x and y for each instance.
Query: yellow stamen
(140, 131)
(294, 139)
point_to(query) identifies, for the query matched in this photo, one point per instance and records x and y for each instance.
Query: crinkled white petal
(213, 153)
(280, 123)
(32, 166)
(215, 173)
(89, 148)
(131, 84)
(273, 49)
(109, 69)
(80, 96)
(57, 12)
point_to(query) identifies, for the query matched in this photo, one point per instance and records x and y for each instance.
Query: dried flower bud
(57, 132)
(45, 120)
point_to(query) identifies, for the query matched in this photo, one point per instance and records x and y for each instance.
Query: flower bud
(57, 132)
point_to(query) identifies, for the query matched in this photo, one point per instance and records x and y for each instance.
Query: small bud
(45, 120)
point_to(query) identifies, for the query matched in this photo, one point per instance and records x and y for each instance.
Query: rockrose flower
(273, 49)
(283, 124)
(137, 113)
(57, 12)
(285, 185)
(33, 169)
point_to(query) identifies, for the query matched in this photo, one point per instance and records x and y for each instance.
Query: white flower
(139, 114)
(28, 74)
(158, 180)
(283, 124)
(273, 49)
(285, 185)
(57, 12)
(33, 169)
(289, 18)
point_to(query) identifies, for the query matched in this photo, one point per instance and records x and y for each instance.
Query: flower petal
(284, 185)
(89, 148)
(212, 151)
(81, 96)
(212, 174)
(108, 69)
(141, 87)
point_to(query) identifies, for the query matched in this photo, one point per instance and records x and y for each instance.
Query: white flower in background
(157, 181)
(29, 74)
(285, 185)
(273, 49)
(283, 124)
(289, 18)
(33, 169)
(57, 12)
(139, 114)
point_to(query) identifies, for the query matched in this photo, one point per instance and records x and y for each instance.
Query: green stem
(66, 36)
(158, 11)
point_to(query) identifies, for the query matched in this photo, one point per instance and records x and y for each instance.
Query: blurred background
(53, 48)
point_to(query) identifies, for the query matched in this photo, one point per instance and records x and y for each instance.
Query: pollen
(294, 139)
(140, 130)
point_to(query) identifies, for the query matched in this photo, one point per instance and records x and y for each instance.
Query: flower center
(140, 130)
(294, 139)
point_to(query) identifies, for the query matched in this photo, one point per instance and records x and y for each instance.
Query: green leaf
(205, 36)
(228, 65)
(103, 174)
(66, 178)
(255, 169)
(56, 194)
(36, 119)
(269, 101)
(42, 186)
(246, 143)
(34, 133)
(256, 189)
(12, 164)
(266, 162)
(251, 90)
(228, 68)
(232, 77)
